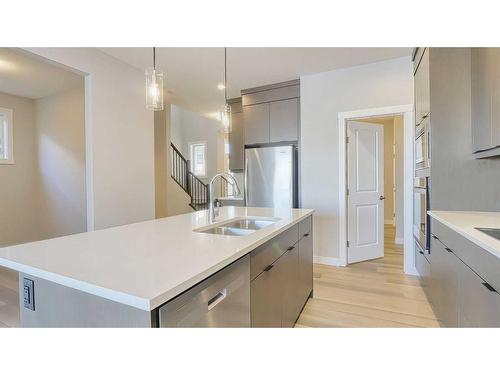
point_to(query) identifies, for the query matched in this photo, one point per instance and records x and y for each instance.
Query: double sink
(239, 226)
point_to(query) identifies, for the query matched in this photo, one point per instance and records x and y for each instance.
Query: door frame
(408, 171)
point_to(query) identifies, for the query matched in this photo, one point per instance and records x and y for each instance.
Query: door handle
(291, 248)
(219, 297)
(381, 197)
(306, 235)
(421, 252)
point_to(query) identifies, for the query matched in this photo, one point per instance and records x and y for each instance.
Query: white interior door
(365, 183)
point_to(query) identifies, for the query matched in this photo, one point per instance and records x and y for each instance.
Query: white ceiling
(192, 74)
(28, 77)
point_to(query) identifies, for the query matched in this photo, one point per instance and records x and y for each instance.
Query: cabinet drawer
(267, 253)
(305, 227)
(482, 262)
(222, 300)
(479, 305)
(422, 264)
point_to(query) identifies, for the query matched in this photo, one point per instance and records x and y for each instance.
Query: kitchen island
(132, 275)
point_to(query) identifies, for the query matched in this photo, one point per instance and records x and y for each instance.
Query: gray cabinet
(266, 295)
(236, 138)
(485, 101)
(422, 87)
(256, 123)
(444, 283)
(305, 273)
(271, 113)
(461, 286)
(280, 289)
(284, 120)
(479, 303)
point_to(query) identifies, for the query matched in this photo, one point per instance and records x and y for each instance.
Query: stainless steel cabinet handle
(219, 297)
(268, 268)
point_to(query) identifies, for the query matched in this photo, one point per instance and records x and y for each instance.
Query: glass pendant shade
(154, 89)
(226, 119)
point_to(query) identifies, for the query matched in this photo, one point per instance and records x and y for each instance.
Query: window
(6, 137)
(198, 159)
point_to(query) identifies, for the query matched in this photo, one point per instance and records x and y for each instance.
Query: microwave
(422, 150)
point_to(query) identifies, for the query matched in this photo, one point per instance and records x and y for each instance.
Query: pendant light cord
(225, 74)
(154, 58)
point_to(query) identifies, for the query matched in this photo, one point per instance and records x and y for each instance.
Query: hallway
(375, 293)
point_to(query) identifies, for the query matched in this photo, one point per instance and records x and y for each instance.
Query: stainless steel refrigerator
(271, 176)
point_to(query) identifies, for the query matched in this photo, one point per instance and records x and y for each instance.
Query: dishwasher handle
(219, 297)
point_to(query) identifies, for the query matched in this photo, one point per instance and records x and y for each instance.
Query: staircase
(192, 185)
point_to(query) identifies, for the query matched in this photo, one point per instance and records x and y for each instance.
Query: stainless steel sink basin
(240, 226)
(227, 231)
(254, 224)
(492, 232)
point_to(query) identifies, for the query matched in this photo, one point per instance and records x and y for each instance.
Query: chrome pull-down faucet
(211, 206)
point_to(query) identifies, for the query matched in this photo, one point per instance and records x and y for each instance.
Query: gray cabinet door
(266, 295)
(422, 89)
(305, 268)
(284, 120)
(444, 283)
(291, 304)
(478, 302)
(236, 143)
(481, 97)
(256, 123)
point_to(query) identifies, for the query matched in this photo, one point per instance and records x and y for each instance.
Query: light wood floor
(368, 294)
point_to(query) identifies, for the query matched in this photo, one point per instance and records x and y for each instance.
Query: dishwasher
(222, 300)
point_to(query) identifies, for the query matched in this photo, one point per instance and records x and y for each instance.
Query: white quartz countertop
(144, 264)
(464, 222)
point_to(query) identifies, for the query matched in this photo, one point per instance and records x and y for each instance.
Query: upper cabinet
(236, 137)
(271, 113)
(256, 122)
(422, 86)
(485, 101)
(284, 120)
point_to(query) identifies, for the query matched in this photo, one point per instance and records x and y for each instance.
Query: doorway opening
(375, 189)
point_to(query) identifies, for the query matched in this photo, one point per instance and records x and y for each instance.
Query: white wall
(187, 126)
(120, 147)
(18, 180)
(399, 180)
(60, 159)
(323, 96)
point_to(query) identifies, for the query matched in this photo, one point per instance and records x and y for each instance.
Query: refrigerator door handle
(245, 181)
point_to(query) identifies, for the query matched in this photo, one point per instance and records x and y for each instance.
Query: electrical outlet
(29, 294)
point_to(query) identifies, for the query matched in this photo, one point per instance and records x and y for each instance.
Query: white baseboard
(328, 261)
(399, 241)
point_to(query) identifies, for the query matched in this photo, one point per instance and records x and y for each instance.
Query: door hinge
(347, 140)
(347, 243)
(347, 191)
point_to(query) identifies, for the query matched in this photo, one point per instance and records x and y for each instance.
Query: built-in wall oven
(421, 220)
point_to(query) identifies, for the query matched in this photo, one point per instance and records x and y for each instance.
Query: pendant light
(226, 112)
(154, 87)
